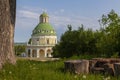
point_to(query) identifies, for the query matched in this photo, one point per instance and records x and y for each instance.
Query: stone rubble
(108, 66)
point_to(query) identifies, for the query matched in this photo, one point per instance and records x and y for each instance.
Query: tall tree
(7, 25)
(76, 42)
(111, 39)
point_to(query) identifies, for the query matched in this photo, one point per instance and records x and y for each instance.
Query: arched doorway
(34, 53)
(49, 53)
(28, 52)
(42, 53)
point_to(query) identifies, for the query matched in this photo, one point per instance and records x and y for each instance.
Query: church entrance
(49, 53)
(28, 52)
(42, 53)
(34, 53)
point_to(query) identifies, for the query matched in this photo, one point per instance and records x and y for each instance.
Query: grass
(35, 70)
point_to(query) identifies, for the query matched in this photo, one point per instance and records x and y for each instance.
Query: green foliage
(35, 70)
(115, 55)
(76, 42)
(104, 42)
(19, 49)
(110, 41)
(83, 56)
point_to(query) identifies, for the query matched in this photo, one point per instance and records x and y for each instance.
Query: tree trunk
(7, 25)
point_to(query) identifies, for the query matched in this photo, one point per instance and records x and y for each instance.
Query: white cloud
(28, 14)
(58, 12)
(62, 10)
(31, 8)
(28, 19)
(76, 21)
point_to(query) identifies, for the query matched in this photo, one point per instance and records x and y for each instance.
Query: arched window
(49, 53)
(47, 41)
(42, 53)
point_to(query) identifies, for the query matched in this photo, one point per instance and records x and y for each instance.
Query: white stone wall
(44, 40)
(34, 52)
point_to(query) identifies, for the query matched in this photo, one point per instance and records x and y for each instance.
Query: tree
(75, 42)
(19, 49)
(110, 42)
(7, 25)
(67, 46)
(105, 41)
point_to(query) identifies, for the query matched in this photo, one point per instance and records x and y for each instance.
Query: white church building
(42, 40)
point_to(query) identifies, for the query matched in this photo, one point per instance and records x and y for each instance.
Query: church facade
(42, 40)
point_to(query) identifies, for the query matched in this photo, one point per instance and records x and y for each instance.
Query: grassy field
(36, 70)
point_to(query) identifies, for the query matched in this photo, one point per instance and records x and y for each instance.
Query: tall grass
(35, 70)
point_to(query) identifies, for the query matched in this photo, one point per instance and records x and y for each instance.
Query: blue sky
(61, 13)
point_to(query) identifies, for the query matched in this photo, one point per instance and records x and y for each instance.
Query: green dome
(43, 29)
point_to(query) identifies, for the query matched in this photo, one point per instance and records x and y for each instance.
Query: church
(42, 40)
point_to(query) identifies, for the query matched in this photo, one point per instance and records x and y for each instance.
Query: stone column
(55, 40)
(38, 53)
(45, 53)
(45, 40)
(31, 53)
